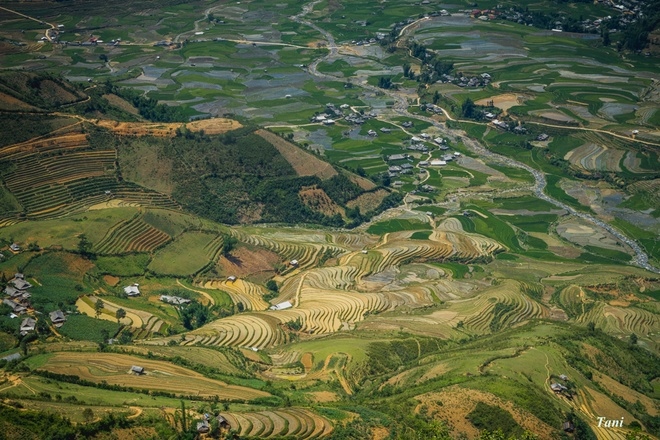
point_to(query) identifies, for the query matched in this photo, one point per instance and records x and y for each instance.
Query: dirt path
(204, 294)
(138, 412)
(52, 26)
(299, 289)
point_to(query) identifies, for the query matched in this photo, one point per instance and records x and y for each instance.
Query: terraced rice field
(298, 423)
(332, 299)
(595, 157)
(114, 369)
(133, 235)
(56, 176)
(144, 324)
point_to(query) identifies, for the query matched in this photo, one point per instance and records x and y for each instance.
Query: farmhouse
(438, 162)
(282, 306)
(231, 278)
(557, 387)
(329, 122)
(568, 427)
(21, 284)
(372, 133)
(132, 290)
(28, 325)
(135, 369)
(542, 137)
(222, 422)
(423, 163)
(397, 184)
(294, 263)
(385, 130)
(176, 300)
(439, 140)
(563, 377)
(11, 357)
(415, 139)
(203, 427)
(396, 157)
(14, 247)
(394, 169)
(57, 318)
(15, 307)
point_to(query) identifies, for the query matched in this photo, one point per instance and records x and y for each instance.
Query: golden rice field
(290, 422)
(363, 282)
(114, 369)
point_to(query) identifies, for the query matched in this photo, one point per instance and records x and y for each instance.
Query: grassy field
(187, 255)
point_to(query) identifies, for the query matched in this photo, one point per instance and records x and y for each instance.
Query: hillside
(329, 220)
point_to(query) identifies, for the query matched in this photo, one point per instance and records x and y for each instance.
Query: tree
(468, 108)
(591, 327)
(436, 97)
(98, 306)
(228, 245)
(84, 246)
(88, 415)
(633, 339)
(271, 285)
(120, 314)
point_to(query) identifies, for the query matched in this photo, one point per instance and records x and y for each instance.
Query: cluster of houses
(17, 298)
(481, 80)
(559, 388)
(631, 11)
(204, 426)
(333, 112)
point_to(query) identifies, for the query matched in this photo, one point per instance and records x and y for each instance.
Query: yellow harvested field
(304, 163)
(114, 369)
(504, 102)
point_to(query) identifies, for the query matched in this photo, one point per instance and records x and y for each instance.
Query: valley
(327, 220)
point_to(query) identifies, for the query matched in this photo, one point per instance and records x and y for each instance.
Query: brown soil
(304, 163)
(379, 433)
(308, 361)
(368, 201)
(244, 261)
(161, 129)
(111, 280)
(504, 102)
(120, 103)
(452, 404)
(318, 200)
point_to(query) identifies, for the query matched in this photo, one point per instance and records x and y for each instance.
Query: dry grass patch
(121, 103)
(317, 200)
(324, 396)
(304, 163)
(454, 403)
(368, 201)
(8, 102)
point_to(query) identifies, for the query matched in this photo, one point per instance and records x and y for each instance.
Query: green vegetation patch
(493, 418)
(396, 225)
(85, 328)
(124, 266)
(187, 255)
